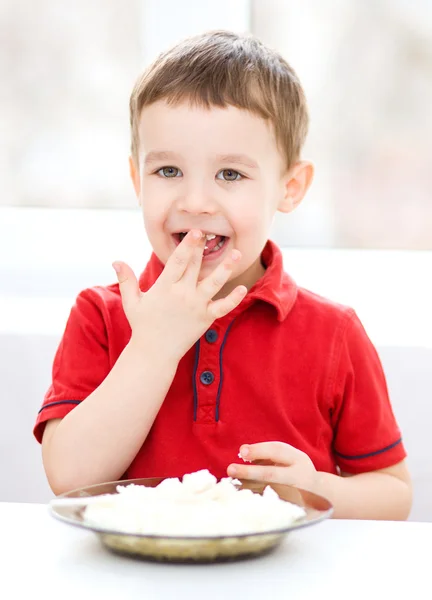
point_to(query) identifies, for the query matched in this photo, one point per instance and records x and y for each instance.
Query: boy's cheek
(252, 219)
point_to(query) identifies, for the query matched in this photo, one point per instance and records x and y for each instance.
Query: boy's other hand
(276, 462)
(178, 309)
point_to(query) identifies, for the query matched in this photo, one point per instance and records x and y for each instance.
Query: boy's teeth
(208, 236)
(217, 247)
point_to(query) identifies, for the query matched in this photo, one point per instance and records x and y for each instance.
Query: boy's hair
(221, 68)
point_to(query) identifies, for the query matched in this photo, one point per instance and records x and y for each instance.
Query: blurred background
(363, 235)
(67, 70)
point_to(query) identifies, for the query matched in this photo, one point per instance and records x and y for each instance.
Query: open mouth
(213, 245)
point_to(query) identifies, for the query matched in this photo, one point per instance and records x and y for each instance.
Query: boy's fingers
(128, 283)
(276, 452)
(214, 282)
(267, 474)
(194, 265)
(220, 308)
(179, 260)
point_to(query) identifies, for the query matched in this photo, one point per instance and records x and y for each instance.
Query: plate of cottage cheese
(197, 518)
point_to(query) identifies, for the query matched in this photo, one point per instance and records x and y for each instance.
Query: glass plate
(190, 549)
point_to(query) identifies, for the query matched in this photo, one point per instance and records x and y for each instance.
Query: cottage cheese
(196, 506)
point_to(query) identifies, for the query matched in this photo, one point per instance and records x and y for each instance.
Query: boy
(215, 349)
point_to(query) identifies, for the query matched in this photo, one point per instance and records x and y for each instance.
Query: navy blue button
(211, 336)
(206, 377)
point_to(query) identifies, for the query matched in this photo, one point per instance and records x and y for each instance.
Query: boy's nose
(196, 201)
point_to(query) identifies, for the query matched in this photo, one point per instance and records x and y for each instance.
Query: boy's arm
(384, 494)
(381, 494)
(99, 438)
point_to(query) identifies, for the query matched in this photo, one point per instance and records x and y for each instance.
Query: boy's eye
(169, 172)
(229, 175)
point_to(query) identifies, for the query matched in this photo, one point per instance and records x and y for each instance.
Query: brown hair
(221, 68)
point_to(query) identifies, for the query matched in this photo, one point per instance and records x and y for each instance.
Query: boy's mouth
(213, 245)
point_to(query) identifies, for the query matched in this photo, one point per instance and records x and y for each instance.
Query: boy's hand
(276, 462)
(178, 309)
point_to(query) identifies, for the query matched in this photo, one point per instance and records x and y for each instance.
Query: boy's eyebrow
(156, 156)
(239, 159)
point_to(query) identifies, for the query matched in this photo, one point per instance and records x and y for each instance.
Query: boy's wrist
(155, 350)
(324, 483)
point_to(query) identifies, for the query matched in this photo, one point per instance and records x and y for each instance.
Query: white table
(43, 558)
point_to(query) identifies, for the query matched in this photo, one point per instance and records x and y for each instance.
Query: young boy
(215, 350)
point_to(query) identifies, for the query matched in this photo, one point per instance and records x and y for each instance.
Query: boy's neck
(248, 279)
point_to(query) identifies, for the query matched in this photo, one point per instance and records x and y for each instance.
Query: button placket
(208, 364)
(207, 375)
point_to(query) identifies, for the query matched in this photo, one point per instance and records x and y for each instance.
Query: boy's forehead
(223, 131)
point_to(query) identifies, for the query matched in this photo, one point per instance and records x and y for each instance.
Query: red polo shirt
(285, 365)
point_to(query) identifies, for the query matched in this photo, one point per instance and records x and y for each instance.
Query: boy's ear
(296, 183)
(134, 175)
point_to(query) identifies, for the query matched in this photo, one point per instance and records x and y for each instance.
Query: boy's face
(218, 170)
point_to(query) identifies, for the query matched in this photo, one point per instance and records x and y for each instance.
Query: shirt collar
(275, 287)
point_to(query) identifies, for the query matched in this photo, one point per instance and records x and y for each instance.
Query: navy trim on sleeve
(195, 393)
(360, 456)
(59, 402)
(221, 371)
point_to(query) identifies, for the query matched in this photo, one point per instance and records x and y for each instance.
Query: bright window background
(67, 70)
(67, 208)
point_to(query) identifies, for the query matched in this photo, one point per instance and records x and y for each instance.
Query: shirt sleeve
(81, 362)
(367, 436)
